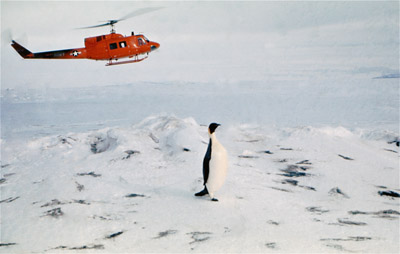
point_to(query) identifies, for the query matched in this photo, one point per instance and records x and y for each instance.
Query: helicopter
(109, 47)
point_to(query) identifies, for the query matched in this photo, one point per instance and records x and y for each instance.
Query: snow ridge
(131, 190)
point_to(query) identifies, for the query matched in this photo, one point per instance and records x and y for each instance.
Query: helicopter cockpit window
(122, 44)
(113, 45)
(141, 42)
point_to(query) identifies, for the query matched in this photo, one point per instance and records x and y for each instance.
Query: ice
(101, 159)
(58, 195)
(356, 102)
(313, 167)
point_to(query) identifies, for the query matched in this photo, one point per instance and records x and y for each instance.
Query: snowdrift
(131, 190)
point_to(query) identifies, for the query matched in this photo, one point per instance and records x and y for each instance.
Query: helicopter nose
(154, 46)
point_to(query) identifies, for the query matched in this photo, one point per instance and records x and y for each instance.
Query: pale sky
(204, 41)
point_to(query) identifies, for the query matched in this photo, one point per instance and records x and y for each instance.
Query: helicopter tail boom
(56, 54)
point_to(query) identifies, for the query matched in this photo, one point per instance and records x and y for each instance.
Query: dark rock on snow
(84, 247)
(267, 152)
(134, 195)
(389, 193)
(295, 171)
(345, 157)
(199, 236)
(113, 235)
(353, 223)
(130, 153)
(165, 233)
(271, 245)
(56, 212)
(304, 162)
(89, 174)
(337, 192)
(9, 200)
(317, 210)
(6, 244)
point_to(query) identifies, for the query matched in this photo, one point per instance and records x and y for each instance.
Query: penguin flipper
(206, 163)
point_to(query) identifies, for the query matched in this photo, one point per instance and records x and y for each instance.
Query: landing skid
(125, 62)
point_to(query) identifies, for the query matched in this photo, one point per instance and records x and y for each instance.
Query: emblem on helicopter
(75, 53)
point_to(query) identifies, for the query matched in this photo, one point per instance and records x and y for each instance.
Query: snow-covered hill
(130, 189)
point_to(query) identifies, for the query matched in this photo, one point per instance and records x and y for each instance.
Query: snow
(101, 159)
(351, 101)
(78, 184)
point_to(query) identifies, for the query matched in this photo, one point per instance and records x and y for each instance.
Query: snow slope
(130, 189)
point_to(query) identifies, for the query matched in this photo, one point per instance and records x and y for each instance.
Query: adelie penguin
(215, 165)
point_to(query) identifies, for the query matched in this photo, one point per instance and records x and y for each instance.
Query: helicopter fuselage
(110, 47)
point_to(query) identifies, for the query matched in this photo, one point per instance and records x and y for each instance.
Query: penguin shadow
(183, 193)
(197, 188)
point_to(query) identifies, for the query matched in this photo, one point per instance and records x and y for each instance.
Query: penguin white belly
(218, 168)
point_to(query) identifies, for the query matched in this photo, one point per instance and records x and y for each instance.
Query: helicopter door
(118, 49)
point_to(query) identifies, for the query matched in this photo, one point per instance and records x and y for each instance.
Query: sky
(202, 41)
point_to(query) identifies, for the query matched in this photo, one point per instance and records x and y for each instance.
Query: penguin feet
(214, 199)
(202, 193)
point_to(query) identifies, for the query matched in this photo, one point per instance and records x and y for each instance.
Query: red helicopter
(110, 47)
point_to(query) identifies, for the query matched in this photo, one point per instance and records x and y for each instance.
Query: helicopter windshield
(141, 41)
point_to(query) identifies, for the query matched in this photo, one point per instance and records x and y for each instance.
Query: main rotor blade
(140, 12)
(106, 24)
(130, 15)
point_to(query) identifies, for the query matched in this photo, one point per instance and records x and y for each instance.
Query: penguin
(215, 165)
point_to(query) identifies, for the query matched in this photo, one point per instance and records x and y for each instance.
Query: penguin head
(212, 127)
